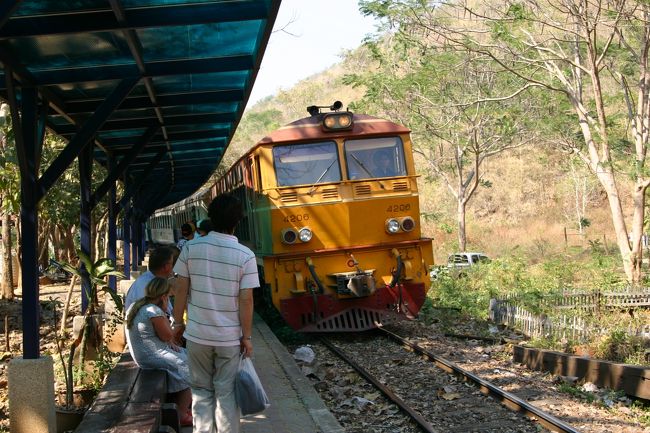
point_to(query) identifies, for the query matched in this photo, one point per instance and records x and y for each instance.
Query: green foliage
(447, 228)
(9, 172)
(619, 346)
(517, 12)
(485, 183)
(97, 273)
(61, 203)
(103, 365)
(515, 277)
(426, 313)
(642, 411)
(576, 392)
(451, 292)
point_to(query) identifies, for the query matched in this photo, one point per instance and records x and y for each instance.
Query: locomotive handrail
(312, 271)
(398, 271)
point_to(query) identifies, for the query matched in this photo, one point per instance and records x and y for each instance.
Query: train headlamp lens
(392, 226)
(330, 122)
(305, 235)
(345, 121)
(408, 224)
(289, 236)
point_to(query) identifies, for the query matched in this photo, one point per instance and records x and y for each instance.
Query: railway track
(455, 400)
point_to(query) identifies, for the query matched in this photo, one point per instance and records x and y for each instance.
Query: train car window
(248, 174)
(258, 174)
(306, 164)
(375, 158)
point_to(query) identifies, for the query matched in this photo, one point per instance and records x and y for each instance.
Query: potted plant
(90, 331)
(69, 415)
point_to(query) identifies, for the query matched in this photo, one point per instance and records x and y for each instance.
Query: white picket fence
(574, 328)
(595, 299)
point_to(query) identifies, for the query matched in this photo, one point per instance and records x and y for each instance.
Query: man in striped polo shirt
(216, 277)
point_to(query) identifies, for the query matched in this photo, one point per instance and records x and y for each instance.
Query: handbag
(249, 393)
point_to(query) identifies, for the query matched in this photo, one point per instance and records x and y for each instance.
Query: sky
(316, 33)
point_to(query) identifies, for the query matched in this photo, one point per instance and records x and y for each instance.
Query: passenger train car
(164, 226)
(332, 214)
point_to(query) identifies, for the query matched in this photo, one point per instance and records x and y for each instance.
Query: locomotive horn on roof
(314, 110)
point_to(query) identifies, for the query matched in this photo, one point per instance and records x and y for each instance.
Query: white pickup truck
(457, 263)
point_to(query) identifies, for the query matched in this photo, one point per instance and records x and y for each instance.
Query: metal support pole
(85, 182)
(135, 261)
(29, 142)
(126, 240)
(143, 240)
(112, 225)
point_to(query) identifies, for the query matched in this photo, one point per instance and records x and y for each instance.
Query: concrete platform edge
(320, 414)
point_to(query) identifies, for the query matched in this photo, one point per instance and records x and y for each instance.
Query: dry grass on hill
(525, 211)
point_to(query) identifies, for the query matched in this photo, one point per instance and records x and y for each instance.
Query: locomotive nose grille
(400, 186)
(355, 319)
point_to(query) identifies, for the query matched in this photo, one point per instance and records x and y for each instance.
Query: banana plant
(96, 273)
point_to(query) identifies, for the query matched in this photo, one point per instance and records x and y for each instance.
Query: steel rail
(509, 400)
(385, 390)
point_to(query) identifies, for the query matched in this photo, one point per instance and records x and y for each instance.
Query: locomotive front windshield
(306, 164)
(375, 157)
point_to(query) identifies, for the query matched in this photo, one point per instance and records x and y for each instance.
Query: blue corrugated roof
(194, 61)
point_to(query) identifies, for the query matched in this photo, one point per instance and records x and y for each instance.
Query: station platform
(295, 407)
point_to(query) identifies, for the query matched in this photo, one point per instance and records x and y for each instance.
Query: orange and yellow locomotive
(334, 219)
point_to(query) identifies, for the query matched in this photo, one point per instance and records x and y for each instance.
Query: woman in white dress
(151, 343)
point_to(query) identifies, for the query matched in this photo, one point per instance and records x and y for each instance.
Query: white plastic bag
(249, 392)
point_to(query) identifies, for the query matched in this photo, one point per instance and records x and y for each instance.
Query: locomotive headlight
(289, 236)
(392, 226)
(330, 122)
(407, 224)
(305, 234)
(345, 121)
(337, 121)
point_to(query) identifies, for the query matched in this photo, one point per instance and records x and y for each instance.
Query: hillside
(531, 199)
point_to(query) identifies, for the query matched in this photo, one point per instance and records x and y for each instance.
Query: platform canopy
(158, 86)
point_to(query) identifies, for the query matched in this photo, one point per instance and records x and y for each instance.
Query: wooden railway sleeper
(415, 415)
(507, 399)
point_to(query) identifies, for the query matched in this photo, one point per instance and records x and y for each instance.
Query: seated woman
(150, 339)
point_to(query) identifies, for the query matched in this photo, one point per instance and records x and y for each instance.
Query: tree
(447, 98)
(594, 55)
(59, 210)
(9, 199)
(581, 192)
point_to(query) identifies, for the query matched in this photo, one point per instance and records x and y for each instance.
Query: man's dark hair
(186, 229)
(159, 258)
(204, 225)
(225, 212)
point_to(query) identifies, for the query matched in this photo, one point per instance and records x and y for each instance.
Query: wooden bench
(132, 400)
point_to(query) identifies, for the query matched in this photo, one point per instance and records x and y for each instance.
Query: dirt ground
(11, 337)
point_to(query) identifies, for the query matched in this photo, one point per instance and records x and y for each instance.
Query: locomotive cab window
(306, 164)
(375, 158)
